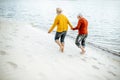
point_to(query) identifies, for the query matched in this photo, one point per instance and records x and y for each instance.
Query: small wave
(105, 49)
(100, 47)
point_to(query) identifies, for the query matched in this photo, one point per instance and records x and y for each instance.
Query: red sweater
(82, 26)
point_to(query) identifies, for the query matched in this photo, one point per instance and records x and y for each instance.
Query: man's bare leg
(59, 44)
(83, 50)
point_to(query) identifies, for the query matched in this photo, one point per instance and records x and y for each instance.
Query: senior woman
(62, 22)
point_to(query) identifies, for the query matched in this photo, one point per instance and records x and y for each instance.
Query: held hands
(72, 29)
(50, 31)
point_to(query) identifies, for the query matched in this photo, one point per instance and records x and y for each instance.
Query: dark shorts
(80, 40)
(60, 35)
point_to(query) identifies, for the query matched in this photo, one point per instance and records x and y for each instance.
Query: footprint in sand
(15, 35)
(101, 63)
(26, 37)
(3, 53)
(12, 64)
(8, 38)
(8, 46)
(0, 41)
(42, 76)
(110, 72)
(86, 57)
(107, 78)
(113, 66)
(95, 67)
(15, 31)
(94, 58)
(70, 55)
(83, 59)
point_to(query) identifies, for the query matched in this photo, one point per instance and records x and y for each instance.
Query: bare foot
(62, 49)
(83, 52)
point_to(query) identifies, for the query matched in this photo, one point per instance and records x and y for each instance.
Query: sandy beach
(30, 53)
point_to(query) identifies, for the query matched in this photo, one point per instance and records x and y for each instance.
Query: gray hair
(80, 15)
(59, 10)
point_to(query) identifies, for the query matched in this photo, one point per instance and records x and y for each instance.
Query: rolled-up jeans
(80, 40)
(61, 36)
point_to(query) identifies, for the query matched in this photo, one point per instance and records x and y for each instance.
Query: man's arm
(78, 25)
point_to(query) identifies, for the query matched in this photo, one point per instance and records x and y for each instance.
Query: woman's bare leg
(60, 45)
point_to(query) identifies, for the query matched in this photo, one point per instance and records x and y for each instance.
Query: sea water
(103, 17)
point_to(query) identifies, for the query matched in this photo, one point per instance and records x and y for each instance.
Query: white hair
(59, 10)
(80, 15)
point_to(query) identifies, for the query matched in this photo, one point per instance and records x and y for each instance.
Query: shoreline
(89, 43)
(105, 49)
(100, 47)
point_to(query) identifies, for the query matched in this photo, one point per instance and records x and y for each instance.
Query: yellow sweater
(62, 23)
